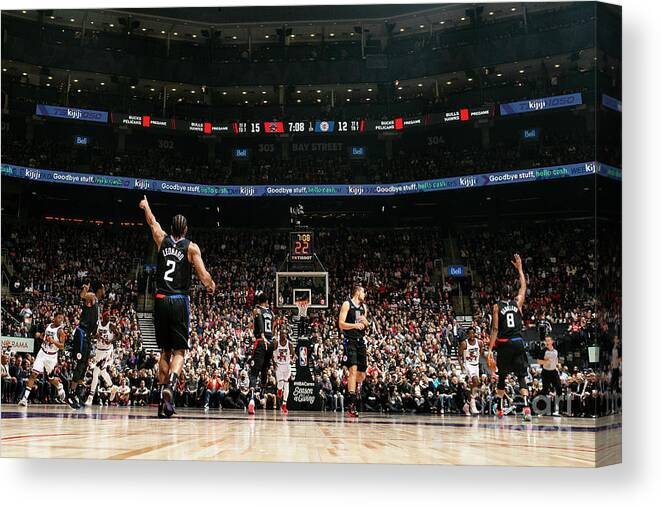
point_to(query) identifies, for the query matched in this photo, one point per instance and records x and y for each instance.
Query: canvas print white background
(91, 483)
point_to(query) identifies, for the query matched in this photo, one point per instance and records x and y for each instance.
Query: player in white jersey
(471, 349)
(282, 356)
(46, 361)
(106, 334)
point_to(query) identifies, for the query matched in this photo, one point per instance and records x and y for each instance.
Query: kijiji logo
(247, 190)
(537, 104)
(355, 190)
(590, 167)
(76, 114)
(141, 184)
(32, 174)
(468, 181)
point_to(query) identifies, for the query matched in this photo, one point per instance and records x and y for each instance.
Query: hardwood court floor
(136, 433)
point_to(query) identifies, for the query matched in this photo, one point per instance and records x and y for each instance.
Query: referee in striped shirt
(550, 375)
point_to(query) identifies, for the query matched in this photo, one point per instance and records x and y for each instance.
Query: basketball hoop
(302, 305)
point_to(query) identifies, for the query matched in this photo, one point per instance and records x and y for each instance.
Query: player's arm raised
(157, 231)
(85, 293)
(342, 321)
(521, 296)
(195, 258)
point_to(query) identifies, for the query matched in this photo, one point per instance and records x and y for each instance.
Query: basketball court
(315, 437)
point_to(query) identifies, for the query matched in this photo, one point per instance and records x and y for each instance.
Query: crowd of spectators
(191, 163)
(412, 344)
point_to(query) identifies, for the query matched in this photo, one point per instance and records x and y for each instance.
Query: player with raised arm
(107, 333)
(353, 323)
(507, 336)
(176, 255)
(46, 360)
(91, 294)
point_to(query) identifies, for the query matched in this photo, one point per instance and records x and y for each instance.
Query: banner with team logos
(386, 189)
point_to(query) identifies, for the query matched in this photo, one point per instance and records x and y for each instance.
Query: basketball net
(302, 307)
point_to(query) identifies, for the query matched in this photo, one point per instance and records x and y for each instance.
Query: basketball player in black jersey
(176, 255)
(507, 336)
(82, 336)
(263, 346)
(353, 323)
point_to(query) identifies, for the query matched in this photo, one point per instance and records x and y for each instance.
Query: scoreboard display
(301, 246)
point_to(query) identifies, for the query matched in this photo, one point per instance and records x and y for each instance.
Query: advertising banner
(385, 189)
(542, 104)
(18, 344)
(72, 113)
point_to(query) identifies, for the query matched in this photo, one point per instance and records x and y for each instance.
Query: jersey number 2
(167, 276)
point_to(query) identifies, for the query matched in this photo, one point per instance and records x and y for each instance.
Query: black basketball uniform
(511, 353)
(171, 304)
(82, 337)
(355, 352)
(262, 350)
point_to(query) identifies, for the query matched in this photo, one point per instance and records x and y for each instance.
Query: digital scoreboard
(301, 246)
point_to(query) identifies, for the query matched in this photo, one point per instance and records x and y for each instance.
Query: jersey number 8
(510, 320)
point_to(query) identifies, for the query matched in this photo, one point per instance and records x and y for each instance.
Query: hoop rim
(302, 305)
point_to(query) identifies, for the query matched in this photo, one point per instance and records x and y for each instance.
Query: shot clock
(301, 246)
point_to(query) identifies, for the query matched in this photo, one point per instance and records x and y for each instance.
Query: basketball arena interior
(411, 149)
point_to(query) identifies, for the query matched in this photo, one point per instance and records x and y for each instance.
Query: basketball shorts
(44, 362)
(283, 373)
(511, 359)
(472, 370)
(262, 353)
(103, 357)
(355, 354)
(172, 321)
(80, 353)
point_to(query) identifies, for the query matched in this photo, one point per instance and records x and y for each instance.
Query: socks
(26, 395)
(60, 392)
(169, 385)
(499, 403)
